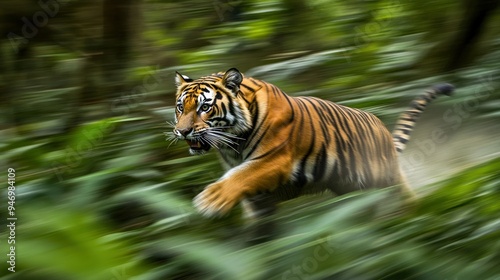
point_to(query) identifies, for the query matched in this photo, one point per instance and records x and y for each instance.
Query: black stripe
(231, 108)
(292, 117)
(320, 165)
(244, 99)
(219, 119)
(255, 82)
(224, 109)
(322, 116)
(402, 140)
(340, 141)
(348, 114)
(255, 127)
(368, 136)
(303, 161)
(326, 108)
(247, 87)
(341, 164)
(369, 133)
(273, 89)
(255, 113)
(258, 142)
(339, 120)
(302, 178)
(362, 145)
(411, 119)
(270, 151)
(352, 159)
(345, 120)
(417, 106)
(427, 98)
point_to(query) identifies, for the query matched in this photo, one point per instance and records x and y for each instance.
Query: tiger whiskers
(211, 142)
(171, 137)
(215, 137)
(170, 124)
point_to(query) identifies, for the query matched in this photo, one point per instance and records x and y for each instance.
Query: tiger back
(276, 147)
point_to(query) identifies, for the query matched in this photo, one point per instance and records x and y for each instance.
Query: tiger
(275, 147)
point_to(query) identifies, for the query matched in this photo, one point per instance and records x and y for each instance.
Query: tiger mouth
(197, 145)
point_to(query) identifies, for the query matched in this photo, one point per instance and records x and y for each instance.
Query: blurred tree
(461, 40)
(118, 35)
(474, 20)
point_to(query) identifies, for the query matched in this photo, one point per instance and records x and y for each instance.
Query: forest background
(87, 89)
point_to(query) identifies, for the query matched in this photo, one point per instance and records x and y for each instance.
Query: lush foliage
(101, 195)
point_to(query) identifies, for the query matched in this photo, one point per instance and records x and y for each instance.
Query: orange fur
(277, 147)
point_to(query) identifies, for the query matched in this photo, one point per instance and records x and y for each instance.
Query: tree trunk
(476, 15)
(117, 43)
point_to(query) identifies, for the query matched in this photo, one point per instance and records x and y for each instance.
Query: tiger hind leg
(398, 200)
(406, 190)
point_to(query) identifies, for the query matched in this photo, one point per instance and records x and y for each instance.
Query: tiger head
(210, 111)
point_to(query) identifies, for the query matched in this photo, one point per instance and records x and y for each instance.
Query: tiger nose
(183, 131)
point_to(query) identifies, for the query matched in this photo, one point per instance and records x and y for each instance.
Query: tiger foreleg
(243, 181)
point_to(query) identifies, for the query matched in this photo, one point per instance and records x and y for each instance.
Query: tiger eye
(205, 107)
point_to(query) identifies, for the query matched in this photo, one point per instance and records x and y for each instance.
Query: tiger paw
(216, 200)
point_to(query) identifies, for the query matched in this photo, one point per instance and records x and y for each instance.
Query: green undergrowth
(151, 232)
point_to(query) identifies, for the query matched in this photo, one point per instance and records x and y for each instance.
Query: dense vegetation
(87, 92)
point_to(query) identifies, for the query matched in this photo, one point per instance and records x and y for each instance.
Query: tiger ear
(181, 79)
(232, 80)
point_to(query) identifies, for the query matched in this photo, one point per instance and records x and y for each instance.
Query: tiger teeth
(194, 144)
